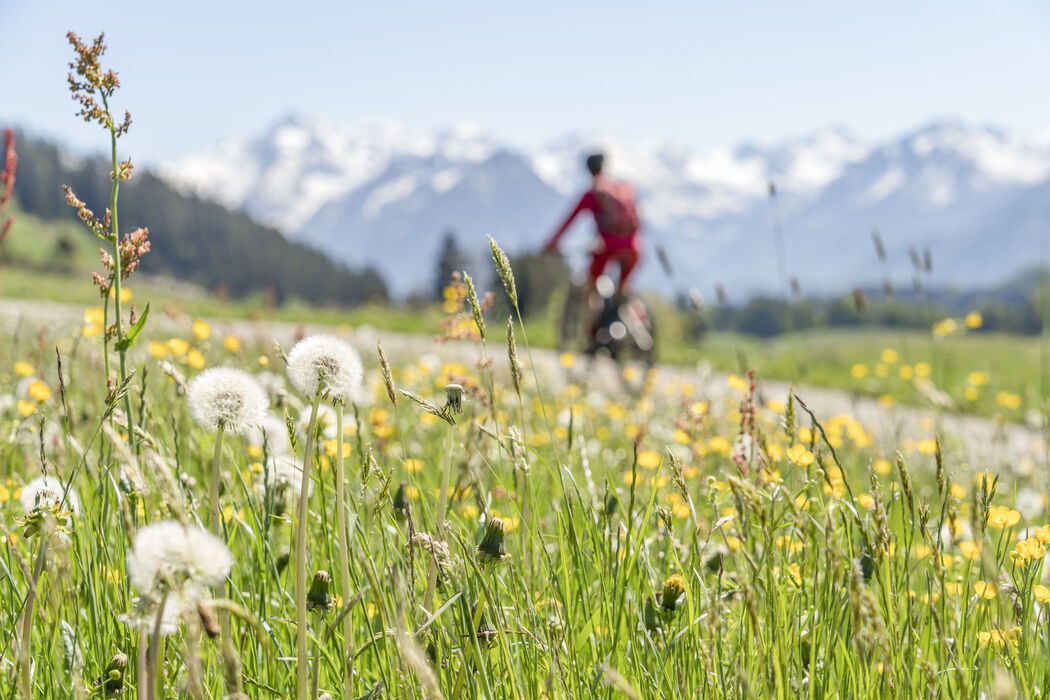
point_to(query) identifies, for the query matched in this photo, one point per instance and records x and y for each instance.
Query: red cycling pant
(623, 250)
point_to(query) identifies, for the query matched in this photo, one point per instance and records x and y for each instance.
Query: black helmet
(595, 162)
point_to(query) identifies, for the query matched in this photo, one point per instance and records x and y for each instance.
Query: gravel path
(980, 443)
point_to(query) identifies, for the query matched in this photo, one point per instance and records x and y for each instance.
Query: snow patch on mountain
(383, 195)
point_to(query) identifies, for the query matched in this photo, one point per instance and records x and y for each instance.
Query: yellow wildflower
(39, 391)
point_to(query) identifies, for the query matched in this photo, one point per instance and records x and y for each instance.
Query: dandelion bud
(400, 502)
(674, 590)
(492, 549)
(209, 621)
(651, 617)
(612, 503)
(319, 597)
(453, 399)
(111, 684)
(486, 632)
(714, 558)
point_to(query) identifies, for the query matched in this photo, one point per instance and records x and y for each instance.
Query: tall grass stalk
(302, 678)
(439, 519)
(341, 505)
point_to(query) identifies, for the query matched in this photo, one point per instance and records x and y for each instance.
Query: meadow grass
(807, 564)
(486, 528)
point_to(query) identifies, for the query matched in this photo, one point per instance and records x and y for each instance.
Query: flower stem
(302, 678)
(216, 477)
(115, 240)
(155, 675)
(25, 656)
(344, 552)
(439, 521)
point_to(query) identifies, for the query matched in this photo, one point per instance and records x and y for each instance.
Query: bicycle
(617, 326)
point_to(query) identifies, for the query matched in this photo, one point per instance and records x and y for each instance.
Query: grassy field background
(990, 374)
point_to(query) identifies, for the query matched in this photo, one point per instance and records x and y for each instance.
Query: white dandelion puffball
(273, 431)
(226, 398)
(327, 364)
(286, 470)
(48, 489)
(170, 551)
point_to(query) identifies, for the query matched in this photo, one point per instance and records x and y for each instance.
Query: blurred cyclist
(612, 204)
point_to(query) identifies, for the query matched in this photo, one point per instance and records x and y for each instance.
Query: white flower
(226, 398)
(327, 364)
(285, 470)
(48, 489)
(144, 615)
(326, 419)
(274, 431)
(168, 551)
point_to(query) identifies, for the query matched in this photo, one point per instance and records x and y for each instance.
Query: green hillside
(193, 240)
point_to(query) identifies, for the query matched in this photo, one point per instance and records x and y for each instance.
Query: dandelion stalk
(301, 646)
(439, 522)
(155, 680)
(25, 656)
(344, 550)
(216, 476)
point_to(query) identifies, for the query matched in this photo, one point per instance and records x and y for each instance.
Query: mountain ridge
(383, 195)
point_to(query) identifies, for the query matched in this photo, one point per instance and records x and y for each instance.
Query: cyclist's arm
(587, 202)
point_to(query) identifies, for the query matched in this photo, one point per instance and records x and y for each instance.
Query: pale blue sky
(701, 74)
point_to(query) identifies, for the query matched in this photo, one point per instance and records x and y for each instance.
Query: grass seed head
(388, 377)
(505, 273)
(475, 305)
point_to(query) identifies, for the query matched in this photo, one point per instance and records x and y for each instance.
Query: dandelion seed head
(168, 551)
(273, 431)
(226, 398)
(327, 364)
(286, 470)
(144, 615)
(48, 489)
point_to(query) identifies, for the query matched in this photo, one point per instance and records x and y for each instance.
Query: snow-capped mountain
(380, 194)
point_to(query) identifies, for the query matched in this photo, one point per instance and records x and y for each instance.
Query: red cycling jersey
(612, 204)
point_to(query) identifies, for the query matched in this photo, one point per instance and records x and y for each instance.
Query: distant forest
(193, 239)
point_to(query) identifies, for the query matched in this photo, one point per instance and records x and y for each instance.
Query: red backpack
(616, 214)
